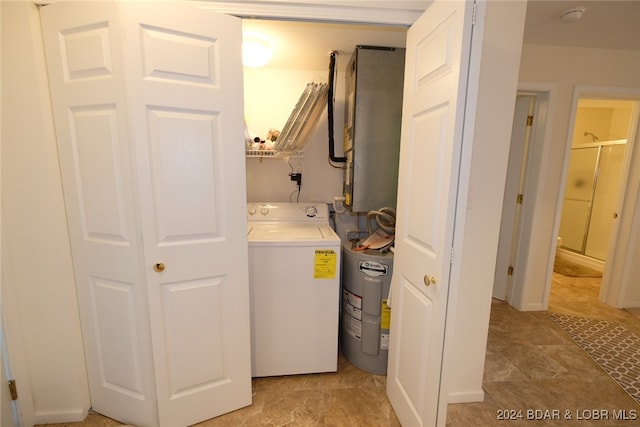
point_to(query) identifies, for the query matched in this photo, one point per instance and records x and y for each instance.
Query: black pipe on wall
(330, 102)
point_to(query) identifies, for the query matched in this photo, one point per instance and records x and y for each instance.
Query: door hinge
(520, 197)
(13, 390)
(451, 256)
(529, 120)
(510, 271)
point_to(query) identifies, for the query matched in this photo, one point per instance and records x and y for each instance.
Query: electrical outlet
(297, 177)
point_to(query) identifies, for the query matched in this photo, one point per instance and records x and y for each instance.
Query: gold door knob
(158, 267)
(429, 280)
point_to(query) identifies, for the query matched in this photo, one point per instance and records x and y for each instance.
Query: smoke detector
(572, 15)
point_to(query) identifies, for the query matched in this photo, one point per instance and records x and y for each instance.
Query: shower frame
(596, 175)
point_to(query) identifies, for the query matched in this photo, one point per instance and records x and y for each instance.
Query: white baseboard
(534, 306)
(62, 416)
(466, 396)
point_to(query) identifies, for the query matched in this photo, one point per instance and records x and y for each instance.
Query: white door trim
(360, 12)
(510, 225)
(616, 278)
(14, 348)
(337, 11)
(540, 142)
(9, 409)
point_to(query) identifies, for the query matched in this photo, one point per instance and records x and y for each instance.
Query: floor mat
(572, 269)
(611, 345)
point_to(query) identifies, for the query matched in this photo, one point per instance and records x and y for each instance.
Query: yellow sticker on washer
(385, 315)
(324, 265)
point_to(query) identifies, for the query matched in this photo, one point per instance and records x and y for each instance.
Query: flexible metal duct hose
(385, 219)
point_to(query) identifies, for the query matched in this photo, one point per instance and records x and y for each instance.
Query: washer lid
(291, 232)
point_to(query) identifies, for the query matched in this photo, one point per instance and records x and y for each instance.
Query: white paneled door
(511, 209)
(437, 64)
(147, 101)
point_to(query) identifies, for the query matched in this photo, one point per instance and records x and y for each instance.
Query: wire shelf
(296, 154)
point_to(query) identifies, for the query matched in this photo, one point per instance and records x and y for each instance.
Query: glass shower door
(578, 195)
(604, 200)
(591, 194)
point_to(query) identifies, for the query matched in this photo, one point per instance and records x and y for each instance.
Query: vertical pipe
(330, 101)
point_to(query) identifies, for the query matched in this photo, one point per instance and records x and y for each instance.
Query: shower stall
(590, 197)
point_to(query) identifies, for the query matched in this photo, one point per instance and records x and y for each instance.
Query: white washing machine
(294, 279)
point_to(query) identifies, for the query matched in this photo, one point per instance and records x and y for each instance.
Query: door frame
(8, 404)
(513, 201)
(330, 11)
(15, 353)
(512, 231)
(535, 168)
(311, 12)
(464, 313)
(303, 11)
(616, 278)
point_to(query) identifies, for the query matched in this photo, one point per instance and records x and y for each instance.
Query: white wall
(608, 120)
(36, 263)
(270, 95)
(631, 296)
(563, 68)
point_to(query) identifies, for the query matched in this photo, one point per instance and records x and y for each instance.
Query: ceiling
(607, 24)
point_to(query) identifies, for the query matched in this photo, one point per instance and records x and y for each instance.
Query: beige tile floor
(531, 365)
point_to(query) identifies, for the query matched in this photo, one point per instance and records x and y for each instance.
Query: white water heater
(366, 316)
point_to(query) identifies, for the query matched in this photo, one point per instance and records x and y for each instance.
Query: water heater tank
(365, 319)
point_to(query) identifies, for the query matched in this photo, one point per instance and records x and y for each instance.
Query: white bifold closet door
(147, 100)
(435, 104)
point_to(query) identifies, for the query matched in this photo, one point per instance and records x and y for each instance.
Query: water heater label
(324, 265)
(385, 315)
(352, 299)
(373, 268)
(352, 314)
(352, 326)
(384, 341)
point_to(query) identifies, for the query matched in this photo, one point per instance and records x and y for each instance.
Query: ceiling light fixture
(256, 50)
(572, 15)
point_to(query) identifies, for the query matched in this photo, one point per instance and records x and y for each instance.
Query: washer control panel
(283, 211)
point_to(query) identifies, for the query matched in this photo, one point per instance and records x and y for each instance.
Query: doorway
(525, 156)
(598, 146)
(527, 291)
(9, 408)
(597, 169)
